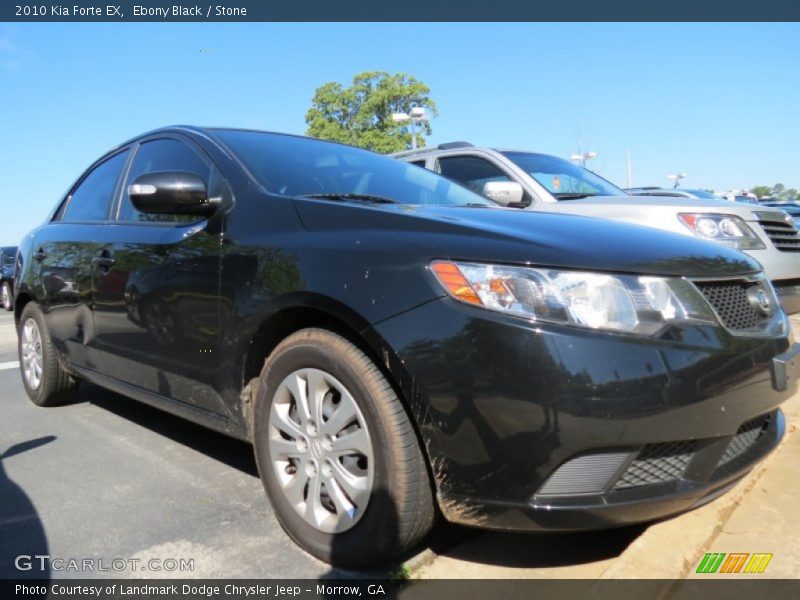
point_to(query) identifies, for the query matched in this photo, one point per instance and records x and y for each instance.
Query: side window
(162, 155)
(419, 163)
(471, 172)
(91, 200)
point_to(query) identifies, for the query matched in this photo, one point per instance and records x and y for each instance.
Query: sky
(718, 102)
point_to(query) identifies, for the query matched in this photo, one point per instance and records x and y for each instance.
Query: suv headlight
(625, 303)
(725, 229)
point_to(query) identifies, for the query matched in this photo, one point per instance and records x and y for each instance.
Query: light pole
(583, 157)
(417, 116)
(677, 177)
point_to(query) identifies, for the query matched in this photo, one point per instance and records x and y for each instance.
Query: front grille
(748, 434)
(657, 463)
(729, 299)
(782, 234)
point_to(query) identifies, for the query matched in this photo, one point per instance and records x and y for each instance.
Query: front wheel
(337, 453)
(46, 382)
(5, 293)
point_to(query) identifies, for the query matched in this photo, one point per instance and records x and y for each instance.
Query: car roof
(208, 133)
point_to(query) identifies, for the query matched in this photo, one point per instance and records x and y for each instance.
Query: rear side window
(91, 200)
(156, 156)
(471, 172)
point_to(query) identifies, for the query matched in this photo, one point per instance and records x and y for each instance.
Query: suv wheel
(337, 453)
(45, 380)
(6, 296)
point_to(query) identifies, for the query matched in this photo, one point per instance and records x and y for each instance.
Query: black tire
(56, 386)
(8, 303)
(400, 511)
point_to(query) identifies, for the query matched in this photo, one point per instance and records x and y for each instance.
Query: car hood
(524, 237)
(635, 204)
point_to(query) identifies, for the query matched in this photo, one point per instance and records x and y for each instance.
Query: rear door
(64, 254)
(157, 306)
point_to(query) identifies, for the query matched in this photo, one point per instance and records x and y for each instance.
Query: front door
(157, 306)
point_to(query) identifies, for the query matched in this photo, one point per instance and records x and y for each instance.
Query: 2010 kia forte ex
(397, 347)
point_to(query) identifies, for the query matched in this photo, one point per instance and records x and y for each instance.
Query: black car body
(522, 423)
(8, 256)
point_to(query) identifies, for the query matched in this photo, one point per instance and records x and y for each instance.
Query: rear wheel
(5, 295)
(45, 380)
(337, 453)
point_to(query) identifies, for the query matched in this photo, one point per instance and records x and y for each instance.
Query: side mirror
(171, 193)
(504, 193)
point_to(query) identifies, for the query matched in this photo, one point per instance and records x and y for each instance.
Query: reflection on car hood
(527, 237)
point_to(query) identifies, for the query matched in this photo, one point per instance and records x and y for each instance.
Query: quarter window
(156, 156)
(471, 172)
(90, 201)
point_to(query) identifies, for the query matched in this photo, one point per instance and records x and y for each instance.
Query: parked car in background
(742, 196)
(8, 256)
(539, 182)
(392, 342)
(673, 192)
(790, 207)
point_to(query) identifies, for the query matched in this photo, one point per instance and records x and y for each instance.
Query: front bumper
(503, 404)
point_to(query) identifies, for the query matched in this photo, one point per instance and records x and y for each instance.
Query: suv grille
(783, 234)
(657, 463)
(729, 299)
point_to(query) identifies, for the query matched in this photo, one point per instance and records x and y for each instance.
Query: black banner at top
(390, 10)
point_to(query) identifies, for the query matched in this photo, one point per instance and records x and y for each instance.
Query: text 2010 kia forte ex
(395, 346)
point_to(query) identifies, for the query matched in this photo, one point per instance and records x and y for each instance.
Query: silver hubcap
(321, 450)
(32, 358)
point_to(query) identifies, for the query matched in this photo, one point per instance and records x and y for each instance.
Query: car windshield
(298, 166)
(563, 179)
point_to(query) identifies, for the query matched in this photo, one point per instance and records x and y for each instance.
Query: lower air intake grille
(787, 287)
(657, 463)
(587, 474)
(748, 434)
(729, 299)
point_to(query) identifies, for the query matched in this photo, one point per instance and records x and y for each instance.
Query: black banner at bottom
(381, 589)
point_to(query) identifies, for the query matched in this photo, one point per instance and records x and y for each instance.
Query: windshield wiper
(571, 196)
(361, 197)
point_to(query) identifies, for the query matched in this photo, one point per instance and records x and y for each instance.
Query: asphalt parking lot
(107, 478)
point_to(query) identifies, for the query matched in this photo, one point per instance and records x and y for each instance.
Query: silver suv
(531, 181)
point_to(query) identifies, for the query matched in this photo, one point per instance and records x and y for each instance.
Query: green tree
(361, 114)
(762, 190)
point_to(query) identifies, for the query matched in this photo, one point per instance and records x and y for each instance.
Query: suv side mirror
(171, 193)
(505, 193)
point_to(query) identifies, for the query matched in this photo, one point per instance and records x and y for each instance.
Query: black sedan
(7, 259)
(395, 346)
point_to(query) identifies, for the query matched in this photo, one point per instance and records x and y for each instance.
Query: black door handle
(40, 254)
(105, 260)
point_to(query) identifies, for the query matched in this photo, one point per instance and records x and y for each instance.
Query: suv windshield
(297, 166)
(563, 179)
(703, 194)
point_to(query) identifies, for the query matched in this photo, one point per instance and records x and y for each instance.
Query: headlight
(725, 229)
(628, 303)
